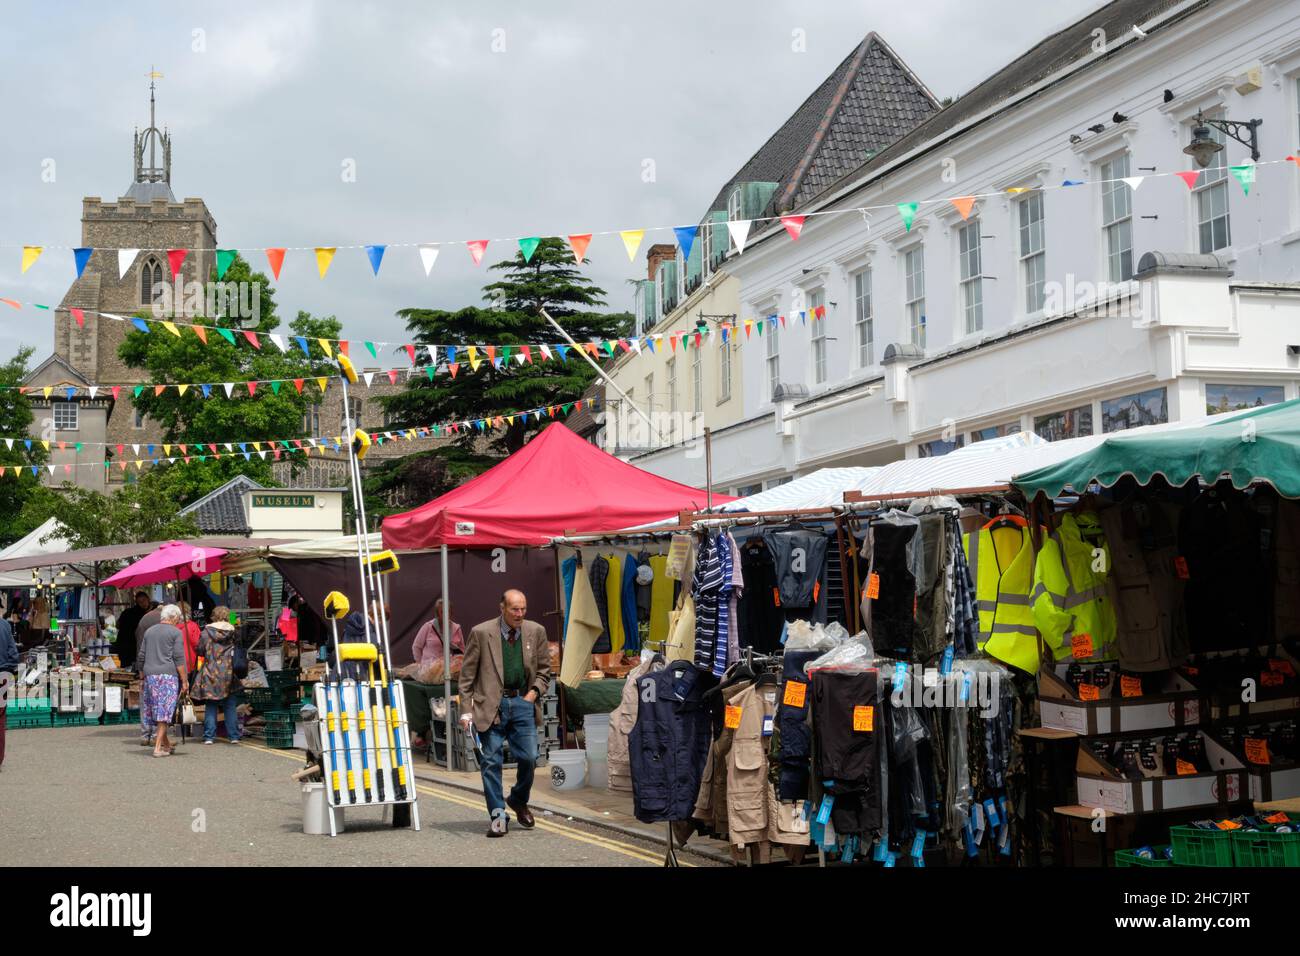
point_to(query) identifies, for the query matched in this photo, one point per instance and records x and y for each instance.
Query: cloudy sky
(463, 120)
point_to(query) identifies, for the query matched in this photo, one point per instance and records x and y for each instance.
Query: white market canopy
(31, 546)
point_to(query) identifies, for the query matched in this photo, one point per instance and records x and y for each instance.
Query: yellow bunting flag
(632, 241)
(324, 256)
(963, 204)
(1018, 189)
(182, 388)
(46, 444)
(167, 449)
(30, 255)
(48, 389)
(325, 344)
(172, 329)
(321, 382)
(473, 357)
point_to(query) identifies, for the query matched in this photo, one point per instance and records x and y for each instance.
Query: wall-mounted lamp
(1202, 148)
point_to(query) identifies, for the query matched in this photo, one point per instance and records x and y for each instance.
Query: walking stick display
(384, 749)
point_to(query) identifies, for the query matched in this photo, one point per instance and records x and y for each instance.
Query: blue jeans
(517, 724)
(210, 717)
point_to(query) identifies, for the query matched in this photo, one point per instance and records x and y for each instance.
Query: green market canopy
(1260, 445)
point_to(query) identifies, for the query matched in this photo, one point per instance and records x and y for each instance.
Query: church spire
(148, 175)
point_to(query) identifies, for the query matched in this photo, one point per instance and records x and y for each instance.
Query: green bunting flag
(224, 258)
(227, 335)
(138, 390)
(609, 347)
(528, 247)
(1245, 175)
(908, 211)
(275, 387)
(370, 346)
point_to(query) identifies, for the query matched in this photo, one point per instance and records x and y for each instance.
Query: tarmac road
(92, 796)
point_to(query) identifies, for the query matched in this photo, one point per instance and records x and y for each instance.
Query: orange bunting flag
(963, 204)
(579, 246)
(276, 259)
(297, 383)
(793, 225)
(476, 249)
(454, 367)
(158, 389)
(202, 333)
(491, 352)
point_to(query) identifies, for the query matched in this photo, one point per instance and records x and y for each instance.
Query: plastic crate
(1125, 858)
(128, 715)
(286, 718)
(28, 720)
(1195, 847)
(279, 739)
(1262, 848)
(69, 720)
(29, 705)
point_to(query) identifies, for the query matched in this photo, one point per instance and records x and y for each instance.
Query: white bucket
(568, 769)
(596, 730)
(315, 811)
(597, 772)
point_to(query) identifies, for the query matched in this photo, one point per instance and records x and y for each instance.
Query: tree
(273, 412)
(15, 421)
(399, 484)
(549, 279)
(92, 520)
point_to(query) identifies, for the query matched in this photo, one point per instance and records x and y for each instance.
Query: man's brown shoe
(523, 814)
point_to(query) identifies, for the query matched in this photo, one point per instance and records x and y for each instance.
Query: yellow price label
(731, 718)
(796, 692)
(864, 719)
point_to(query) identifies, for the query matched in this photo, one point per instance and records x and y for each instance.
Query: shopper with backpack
(219, 682)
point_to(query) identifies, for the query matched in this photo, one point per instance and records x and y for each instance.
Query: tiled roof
(869, 101)
(1051, 55)
(222, 510)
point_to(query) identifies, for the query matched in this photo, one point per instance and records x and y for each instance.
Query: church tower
(149, 218)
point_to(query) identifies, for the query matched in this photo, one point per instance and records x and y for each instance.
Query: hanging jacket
(668, 746)
(661, 602)
(621, 722)
(1144, 586)
(597, 575)
(630, 608)
(614, 603)
(1001, 561)
(798, 556)
(1069, 597)
(896, 559)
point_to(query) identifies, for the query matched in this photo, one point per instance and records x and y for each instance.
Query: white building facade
(1040, 308)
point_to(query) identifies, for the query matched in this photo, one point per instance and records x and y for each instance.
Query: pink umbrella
(174, 561)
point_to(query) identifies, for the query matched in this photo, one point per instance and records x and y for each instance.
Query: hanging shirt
(661, 601)
(706, 589)
(628, 599)
(614, 603)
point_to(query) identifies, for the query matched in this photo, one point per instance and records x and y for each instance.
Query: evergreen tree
(15, 422)
(548, 279)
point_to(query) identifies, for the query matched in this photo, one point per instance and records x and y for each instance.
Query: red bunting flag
(782, 321)
(343, 347)
(392, 375)
(80, 317)
(476, 249)
(252, 338)
(698, 337)
(1189, 176)
(252, 388)
(793, 225)
(276, 258)
(212, 448)
(579, 246)
(175, 258)
(410, 350)
(117, 390)
(672, 340)
(297, 383)
(454, 367)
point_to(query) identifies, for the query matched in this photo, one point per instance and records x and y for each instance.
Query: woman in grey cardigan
(165, 677)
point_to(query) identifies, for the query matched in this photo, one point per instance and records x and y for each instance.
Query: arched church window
(151, 278)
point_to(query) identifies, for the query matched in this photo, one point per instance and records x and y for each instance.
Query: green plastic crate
(127, 715)
(279, 739)
(29, 705)
(285, 718)
(259, 698)
(69, 720)
(1261, 848)
(1193, 847)
(1130, 858)
(28, 720)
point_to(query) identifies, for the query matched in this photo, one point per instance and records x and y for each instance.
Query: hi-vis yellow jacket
(1071, 608)
(1002, 564)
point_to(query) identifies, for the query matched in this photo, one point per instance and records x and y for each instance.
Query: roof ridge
(215, 492)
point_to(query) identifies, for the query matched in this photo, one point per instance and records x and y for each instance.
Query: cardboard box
(1267, 783)
(1264, 704)
(1102, 785)
(1179, 704)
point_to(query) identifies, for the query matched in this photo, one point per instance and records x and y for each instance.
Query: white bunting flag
(10, 443)
(94, 390)
(369, 377)
(229, 387)
(229, 447)
(1134, 181)
(51, 467)
(636, 344)
(136, 449)
(433, 355)
(519, 357)
(428, 255)
(279, 342)
(124, 259)
(546, 352)
(739, 233)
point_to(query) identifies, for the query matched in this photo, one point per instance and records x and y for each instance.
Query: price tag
(1180, 565)
(873, 586)
(824, 811)
(918, 844)
(731, 717)
(1089, 692)
(1271, 679)
(1257, 750)
(1278, 817)
(1185, 768)
(1130, 686)
(891, 859)
(881, 851)
(795, 693)
(1081, 645)
(1228, 825)
(1281, 667)
(767, 726)
(946, 667)
(991, 813)
(864, 719)
(817, 590)
(776, 597)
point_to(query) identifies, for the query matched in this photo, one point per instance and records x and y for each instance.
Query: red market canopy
(555, 484)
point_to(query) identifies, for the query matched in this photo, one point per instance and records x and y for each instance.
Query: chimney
(657, 254)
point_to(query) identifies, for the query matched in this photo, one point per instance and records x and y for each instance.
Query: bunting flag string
(202, 451)
(632, 239)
